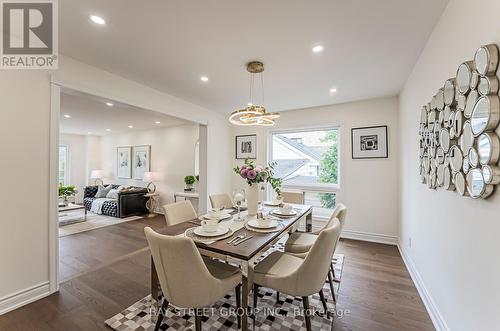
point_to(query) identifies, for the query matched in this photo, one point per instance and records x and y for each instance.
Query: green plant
(67, 191)
(329, 169)
(189, 180)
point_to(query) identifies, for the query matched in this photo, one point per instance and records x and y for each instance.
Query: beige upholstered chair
(187, 280)
(293, 197)
(299, 243)
(222, 200)
(179, 212)
(297, 276)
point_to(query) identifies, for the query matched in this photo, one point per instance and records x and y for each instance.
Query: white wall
(25, 97)
(454, 239)
(369, 188)
(25, 111)
(172, 156)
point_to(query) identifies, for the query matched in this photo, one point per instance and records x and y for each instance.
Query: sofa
(129, 203)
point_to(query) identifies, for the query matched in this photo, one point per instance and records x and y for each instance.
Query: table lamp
(97, 175)
(149, 177)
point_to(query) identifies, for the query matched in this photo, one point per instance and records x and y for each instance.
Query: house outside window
(308, 160)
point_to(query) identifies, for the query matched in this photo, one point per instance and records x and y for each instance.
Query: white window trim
(66, 171)
(324, 187)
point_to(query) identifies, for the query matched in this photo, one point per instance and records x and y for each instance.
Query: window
(63, 165)
(308, 160)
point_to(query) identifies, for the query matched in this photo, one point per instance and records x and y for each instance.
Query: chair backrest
(312, 273)
(293, 197)
(339, 213)
(222, 200)
(179, 212)
(184, 278)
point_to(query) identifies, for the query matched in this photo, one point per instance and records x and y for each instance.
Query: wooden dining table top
(249, 248)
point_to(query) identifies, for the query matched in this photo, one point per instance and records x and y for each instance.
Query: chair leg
(331, 287)
(197, 320)
(255, 298)
(163, 308)
(277, 296)
(332, 269)
(238, 304)
(323, 301)
(305, 301)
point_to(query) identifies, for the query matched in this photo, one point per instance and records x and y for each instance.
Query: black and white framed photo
(142, 160)
(369, 142)
(124, 162)
(246, 147)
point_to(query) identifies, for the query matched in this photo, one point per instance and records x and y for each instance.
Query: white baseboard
(372, 237)
(436, 317)
(23, 297)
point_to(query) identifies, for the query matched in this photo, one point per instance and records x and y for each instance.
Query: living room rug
(94, 221)
(285, 314)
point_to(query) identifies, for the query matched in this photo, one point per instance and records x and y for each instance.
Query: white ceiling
(370, 46)
(91, 114)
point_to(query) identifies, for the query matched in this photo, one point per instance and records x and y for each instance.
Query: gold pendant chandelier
(254, 114)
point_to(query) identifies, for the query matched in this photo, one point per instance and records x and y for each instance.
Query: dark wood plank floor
(107, 270)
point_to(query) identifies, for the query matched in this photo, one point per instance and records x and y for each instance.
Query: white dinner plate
(290, 213)
(272, 204)
(255, 224)
(222, 230)
(224, 216)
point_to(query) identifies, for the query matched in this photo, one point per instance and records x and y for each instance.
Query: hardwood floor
(107, 270)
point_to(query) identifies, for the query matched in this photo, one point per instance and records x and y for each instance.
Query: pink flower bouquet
(257, 174)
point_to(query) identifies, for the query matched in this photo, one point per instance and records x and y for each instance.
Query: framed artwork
(141, 160)
(124, 162)
(246, 147)
(369, 142)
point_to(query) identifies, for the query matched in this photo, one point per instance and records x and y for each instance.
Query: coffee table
(65, 219)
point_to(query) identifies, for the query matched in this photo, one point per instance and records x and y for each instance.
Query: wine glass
(239, 198)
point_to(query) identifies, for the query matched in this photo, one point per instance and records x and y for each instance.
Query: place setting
(284, 211)
(213, 226)
(264, 224)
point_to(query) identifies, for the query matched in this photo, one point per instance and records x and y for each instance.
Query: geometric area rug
(285, 314)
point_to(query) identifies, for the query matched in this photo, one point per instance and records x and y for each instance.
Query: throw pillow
(103, 191)
(113, 194)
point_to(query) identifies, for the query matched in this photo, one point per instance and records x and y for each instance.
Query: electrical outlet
(409, 242)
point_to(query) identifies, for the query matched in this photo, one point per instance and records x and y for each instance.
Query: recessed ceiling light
(97, 19)
(157, 122)
(89, 132)
(67, 116)
(108, 130)
(109, 104)
(333, 90)
(317, 49)
(130, 126)
(204, 78)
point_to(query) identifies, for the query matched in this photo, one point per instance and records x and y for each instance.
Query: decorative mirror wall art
(459, 147)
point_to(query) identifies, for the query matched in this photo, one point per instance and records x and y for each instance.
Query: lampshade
(150, 176)
(97, 174)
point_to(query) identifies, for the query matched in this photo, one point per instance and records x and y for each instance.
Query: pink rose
(243, 166)
(251, 174)
(258, 168)
(243, 172)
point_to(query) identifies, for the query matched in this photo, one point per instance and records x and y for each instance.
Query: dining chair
(187, 280)
(298, 276)
(179, 212)
(299, 243)
(222, 200)
(293, 197)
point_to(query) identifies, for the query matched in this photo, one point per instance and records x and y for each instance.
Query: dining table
(244, 254)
